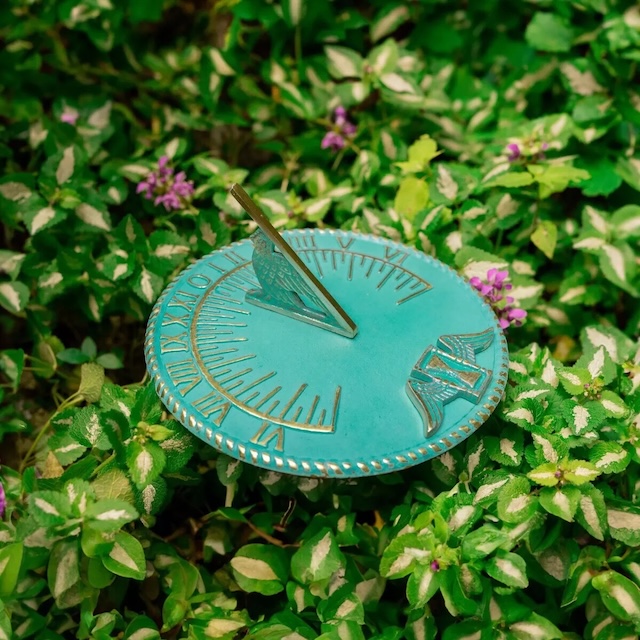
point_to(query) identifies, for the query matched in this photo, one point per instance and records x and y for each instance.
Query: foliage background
(116, 524)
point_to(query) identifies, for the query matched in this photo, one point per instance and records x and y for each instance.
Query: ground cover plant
(500, 137)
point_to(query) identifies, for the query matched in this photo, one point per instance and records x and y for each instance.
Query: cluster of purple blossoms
(493, 290)
(342, 128)
(165, 188)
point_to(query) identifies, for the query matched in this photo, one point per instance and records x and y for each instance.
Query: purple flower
(493, 289)
(514, 152)
(166, 189)
(342, 129)
(69, 116)
(332, 140)
(3, 500)
(435, 566)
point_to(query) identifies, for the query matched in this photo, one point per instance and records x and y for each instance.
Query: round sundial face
(426, 368)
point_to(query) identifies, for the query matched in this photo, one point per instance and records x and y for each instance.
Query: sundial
(325, 353)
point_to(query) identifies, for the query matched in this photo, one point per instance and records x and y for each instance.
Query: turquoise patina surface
(427, 367)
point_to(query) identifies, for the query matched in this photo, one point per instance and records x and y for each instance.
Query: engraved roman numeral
(171, 344)
(345, 243)
(185, 301)
(267, 434)
(395, 255)
(169, 319)
(234, 258)
(303, 242)
(184, 372)
(213, 403)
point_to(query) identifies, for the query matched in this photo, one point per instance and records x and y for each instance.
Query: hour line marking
(424, 289)
(296, 395)
(257, 382)
(350, 274)
(314, 404)
(223, 363)
(268, 397)
(384, 280)
(234, 376)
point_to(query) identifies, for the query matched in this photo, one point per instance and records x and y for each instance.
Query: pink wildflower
(3, 500)
(514, 152)
(493, 289)
(166, 189)
(342, 128)
(69, 116)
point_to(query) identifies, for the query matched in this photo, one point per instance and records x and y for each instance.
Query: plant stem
(69, 402)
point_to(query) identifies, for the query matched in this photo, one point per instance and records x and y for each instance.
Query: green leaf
(422, 585)
(344, 62)
(561, 502)
(610, 457)
(148, 285)
(482, 542)
(626, 222)
(228, 469)
(592, 512)
(146, 462)
(13, 296)
(617, 262)
(388, 21)
(317, 559)
(11, 262)
(549, 32)
(141, 628)
(512, 179)
(12, 364)
(110, 515)
(126, 557)
(109, 361)
(91, 381)
(579, 472)
(384, 57)
(72, 356)
(10, 561)
(545, 237)
(508, 568)
(293, 11)
(42, 217)
(515, 502)
(49, 508)
(546, 474)
(535, 627)
(582, 418)
(574, 379)
(624, 523)
(420, 153)
(412, 197)
(260, 568)
(613, 405)
(555, 178)
(619, 594)
(63, 574)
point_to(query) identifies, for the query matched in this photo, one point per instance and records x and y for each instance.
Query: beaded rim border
(324, 468)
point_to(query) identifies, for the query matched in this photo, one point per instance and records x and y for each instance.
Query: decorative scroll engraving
(446, 372)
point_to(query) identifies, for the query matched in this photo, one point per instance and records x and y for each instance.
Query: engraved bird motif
(281, 285)
(446, 372)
